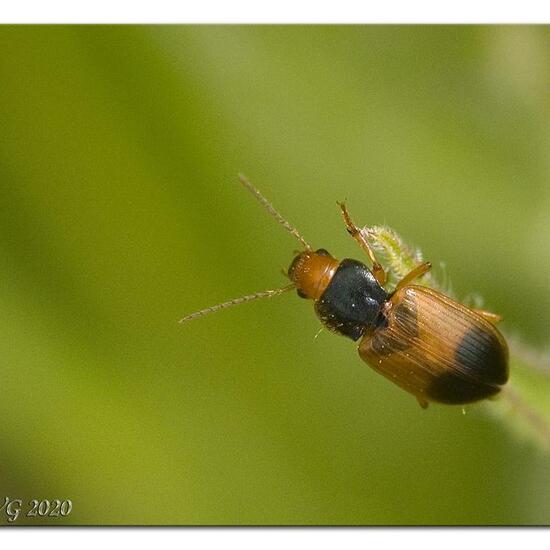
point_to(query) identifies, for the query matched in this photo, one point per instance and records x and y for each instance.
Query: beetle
(420, 339)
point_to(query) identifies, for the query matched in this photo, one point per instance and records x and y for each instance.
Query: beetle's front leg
(355, 232)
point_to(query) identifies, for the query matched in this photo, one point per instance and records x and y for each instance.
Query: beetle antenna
(236, 302)
(267, 205)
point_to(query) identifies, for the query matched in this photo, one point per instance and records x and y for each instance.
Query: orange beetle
(423, 341)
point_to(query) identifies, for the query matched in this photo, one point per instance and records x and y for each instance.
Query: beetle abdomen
(437, 349)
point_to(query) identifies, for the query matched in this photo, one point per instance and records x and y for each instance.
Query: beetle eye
(322, 252)
(293, 265)
(300, 293)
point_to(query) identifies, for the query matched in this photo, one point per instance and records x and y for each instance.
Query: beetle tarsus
(422, 402)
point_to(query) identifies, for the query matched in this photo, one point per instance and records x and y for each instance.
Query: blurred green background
(121, 212)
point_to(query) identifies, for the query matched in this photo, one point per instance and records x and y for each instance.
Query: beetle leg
(493, 318)
(355, 232)
(422, 402)
(418, 271)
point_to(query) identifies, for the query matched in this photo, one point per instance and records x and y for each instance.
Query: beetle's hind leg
(422, 402)
(493, 318)
(355, 232)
